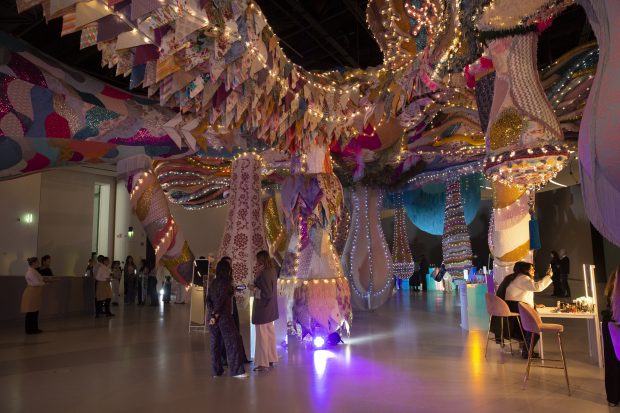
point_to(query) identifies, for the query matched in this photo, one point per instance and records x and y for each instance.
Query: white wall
(66, 218)
(123, 219)
(19, 239)
(61, 202)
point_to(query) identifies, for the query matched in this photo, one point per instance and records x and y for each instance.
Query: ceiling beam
(359, 15)
(303, 29)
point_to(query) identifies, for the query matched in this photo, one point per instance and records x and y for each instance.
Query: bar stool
(496, 307)
(532, 323)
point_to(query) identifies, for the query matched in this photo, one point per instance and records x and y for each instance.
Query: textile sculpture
(509, 230)
(193, 184)
(599, 143)
(52, 115)
(220, 63)
(523, 136)
(425, 206)
(524, 148)
(274, 230)
(366, 258)
(311, 273)
(340, 230)
(401, 253)
(456, 245)
(150, 205)
(244, 233)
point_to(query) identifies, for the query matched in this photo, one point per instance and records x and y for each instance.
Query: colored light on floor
(318, 342)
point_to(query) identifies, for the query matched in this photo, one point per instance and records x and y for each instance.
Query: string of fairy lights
(456, 244)
(401, 254)
(359, 198)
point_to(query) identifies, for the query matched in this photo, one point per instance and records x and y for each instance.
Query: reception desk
(63, 297)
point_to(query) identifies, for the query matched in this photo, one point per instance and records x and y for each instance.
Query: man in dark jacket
(423, 271)
(564, 271)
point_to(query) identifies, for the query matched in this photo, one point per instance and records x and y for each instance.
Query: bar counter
(63, 297)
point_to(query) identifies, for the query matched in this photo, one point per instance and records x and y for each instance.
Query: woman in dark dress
(235, 314)
(612, 365)
(221, 323)
(129, 273)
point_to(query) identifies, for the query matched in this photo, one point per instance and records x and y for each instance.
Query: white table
(594, 330)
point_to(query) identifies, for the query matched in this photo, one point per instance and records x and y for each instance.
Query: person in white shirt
(447, 280)
(103, 291)
(520, 287)
(32, 296)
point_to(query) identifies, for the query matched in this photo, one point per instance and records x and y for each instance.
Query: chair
(614, 332)
(532, 323)
(496, 307)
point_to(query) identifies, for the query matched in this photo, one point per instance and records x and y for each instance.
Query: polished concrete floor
(410, 356)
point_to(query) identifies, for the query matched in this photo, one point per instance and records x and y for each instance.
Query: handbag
(440, 275)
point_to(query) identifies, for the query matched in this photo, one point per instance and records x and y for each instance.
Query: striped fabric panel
(68, 24)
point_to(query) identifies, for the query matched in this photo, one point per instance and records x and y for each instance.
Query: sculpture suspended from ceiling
(244, 233)
(311, 275)
(366, 258)
(402, 260)
(524, 139)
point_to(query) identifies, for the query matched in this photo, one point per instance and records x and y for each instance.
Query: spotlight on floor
(318, 342)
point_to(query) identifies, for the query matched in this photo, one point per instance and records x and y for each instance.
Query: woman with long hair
(610, 317)
(265, 312)
(519, 287)
(143, 274)
(221, 324)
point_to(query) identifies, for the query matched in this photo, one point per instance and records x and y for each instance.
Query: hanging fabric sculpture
(366, 258)
(456, 245)
(599, 143)
(150, 205)
(244, 234)
(425, 206)
(402, 260)
(311, 276)
(274, 230)
(340, 230)
(524, 139)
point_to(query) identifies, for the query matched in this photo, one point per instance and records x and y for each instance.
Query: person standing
(555, 270)
(564, 272)
(265, 312)
(222, 327)
(179, 292)
(45, 269)
(143, 274)
(447, 279)
(414, 280)
(130, 280)
(609, 317)
(235, 314)
(151, 288)
(103, 292)
(163, 276)
(423, 272)
(32, 296)
(116, 281)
